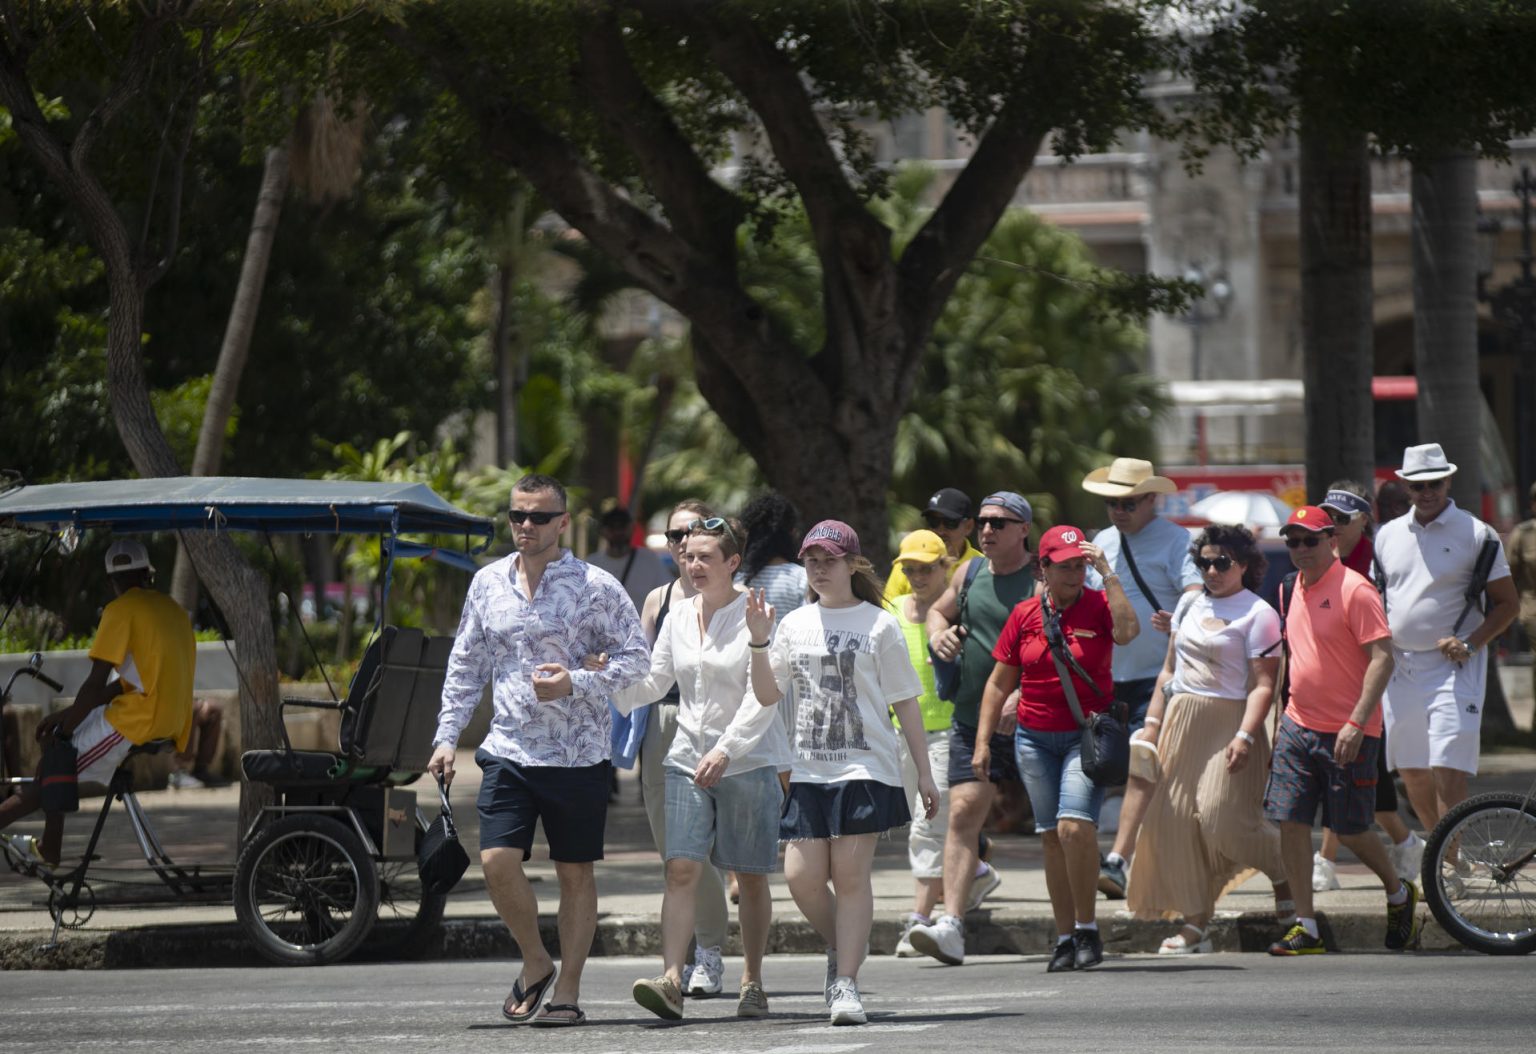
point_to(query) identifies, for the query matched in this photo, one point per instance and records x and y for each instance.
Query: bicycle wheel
(1480, 873)
(306, 890)
(407, 913)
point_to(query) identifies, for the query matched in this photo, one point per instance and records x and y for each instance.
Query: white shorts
(925, 840)
(1434, 711)
(99, 748)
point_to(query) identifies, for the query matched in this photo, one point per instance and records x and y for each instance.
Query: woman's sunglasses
(714, 523)
(1341, 519)
(1220, 563)
(676, 535)
(518, 516)
(933, 519)
(1311, 541)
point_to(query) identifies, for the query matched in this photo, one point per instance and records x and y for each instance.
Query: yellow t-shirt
(898, 586)
(148, 638)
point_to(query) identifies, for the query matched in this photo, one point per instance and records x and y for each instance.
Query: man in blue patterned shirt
(527, 622)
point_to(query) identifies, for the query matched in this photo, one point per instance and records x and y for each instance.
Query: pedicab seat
(387, 719)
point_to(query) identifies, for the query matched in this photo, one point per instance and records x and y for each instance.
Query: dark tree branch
(700, 209)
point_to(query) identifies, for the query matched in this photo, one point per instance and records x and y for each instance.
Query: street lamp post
(1212, 305)
(1514, 310)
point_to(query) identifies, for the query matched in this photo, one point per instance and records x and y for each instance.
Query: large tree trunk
(1337, 346)
(237, 345)
(506, 368)
(1445, 315)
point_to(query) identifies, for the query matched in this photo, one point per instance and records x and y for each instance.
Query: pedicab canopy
(224, 503)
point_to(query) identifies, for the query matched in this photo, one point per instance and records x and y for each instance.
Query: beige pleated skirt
(1204, 827)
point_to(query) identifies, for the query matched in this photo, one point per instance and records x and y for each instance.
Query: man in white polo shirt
(1434, 702)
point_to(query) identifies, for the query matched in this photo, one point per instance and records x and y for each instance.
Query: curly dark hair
(1240, 545)
(773, 530)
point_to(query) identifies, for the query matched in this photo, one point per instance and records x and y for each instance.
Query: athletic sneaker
(944, 940)
(1325, 875)
(904, 949)
(184, 781)
(26, 848)
(983, 886)
(1298, 942)
(1408, 858)
(1402, 919)
(1112, 880)
(844, 1003)
(1064, 957)
(753, 1001)
(704, 979)
(1089, 948)
(660, 996)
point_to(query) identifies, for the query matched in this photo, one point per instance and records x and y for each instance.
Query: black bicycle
(1480, 872)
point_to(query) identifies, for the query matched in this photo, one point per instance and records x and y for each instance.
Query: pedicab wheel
(71, 910)
(305, 890)
(1480, 873)
(407, 913)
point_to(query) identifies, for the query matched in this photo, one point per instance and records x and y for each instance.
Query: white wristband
(1150, 720)
(1246, 737)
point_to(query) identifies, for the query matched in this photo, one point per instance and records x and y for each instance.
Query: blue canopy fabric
(225, 503)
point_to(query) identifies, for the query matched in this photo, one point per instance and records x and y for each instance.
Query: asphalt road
(1221, 1002)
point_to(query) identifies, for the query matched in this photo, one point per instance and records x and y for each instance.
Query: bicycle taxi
(336, 851)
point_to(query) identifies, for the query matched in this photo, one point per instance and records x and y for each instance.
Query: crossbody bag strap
(1141, 583)
(971, 571)
(1062, 656)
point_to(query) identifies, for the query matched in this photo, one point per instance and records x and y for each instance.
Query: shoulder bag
(441, 859)
(1106, 740)
(946, 672)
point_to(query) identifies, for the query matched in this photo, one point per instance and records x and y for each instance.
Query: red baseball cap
(1063, 542)
(1310, 518)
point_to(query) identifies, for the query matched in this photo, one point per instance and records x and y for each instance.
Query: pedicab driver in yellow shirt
(139, 687)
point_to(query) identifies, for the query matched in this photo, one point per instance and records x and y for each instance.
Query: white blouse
(717, 709)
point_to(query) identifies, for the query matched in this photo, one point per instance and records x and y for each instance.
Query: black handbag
(442, 860)
(1105, 753)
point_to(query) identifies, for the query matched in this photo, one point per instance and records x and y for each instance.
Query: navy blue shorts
(572, 802)
(831, 810)
(1303, 776)
(962, 744)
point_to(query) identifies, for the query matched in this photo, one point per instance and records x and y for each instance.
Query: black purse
(441, 860)
(1105, 753)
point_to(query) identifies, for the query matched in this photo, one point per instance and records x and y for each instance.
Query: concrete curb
(224, 944)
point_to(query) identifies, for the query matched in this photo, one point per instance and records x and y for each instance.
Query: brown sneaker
(660, 996)
(754, 1001)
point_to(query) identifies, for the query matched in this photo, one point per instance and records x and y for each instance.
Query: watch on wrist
(1471, 648)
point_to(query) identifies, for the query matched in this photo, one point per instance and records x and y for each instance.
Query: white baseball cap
(126, 554)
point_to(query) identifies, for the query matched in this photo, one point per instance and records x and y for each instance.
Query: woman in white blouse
(723, 796)
(1205, 824)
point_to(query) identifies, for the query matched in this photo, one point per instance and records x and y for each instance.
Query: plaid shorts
(1303, 775)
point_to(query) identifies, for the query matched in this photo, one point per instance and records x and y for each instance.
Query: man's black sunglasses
(997, 523)
(1296, 541)
(519, 516)
(1123, 504)
(934, 519)
(1221, 563)
(1427, 484)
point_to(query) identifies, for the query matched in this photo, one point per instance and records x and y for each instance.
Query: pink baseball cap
(835, 536)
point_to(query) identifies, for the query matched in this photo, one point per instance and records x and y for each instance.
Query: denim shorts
(962, 746)
(1053, 777)
(1303, 776)
(733, 825)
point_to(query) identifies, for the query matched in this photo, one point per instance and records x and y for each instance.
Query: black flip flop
(559, 1022)
(518, 996)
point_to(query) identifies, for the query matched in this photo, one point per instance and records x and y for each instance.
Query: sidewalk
(200, 827)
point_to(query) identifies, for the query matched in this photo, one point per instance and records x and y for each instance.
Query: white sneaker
(904, 949)
(184, 781)
(944, 940)
(1408, 858)
(1324, 875)
(704, 979)
(844, 1003)
(983, 886)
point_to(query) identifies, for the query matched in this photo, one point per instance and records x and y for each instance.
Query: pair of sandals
(533, 1017)
(1181, 944)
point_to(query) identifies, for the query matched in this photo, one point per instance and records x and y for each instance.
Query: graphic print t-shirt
(840, 669)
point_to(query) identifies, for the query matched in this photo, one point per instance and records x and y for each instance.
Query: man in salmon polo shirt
(1339, 659)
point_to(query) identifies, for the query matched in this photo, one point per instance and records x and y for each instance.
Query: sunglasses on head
(1427, 484)
(1221, 563)
(1123, 504)
(714, 523)
(519, 516)
(1296, 541)
(934, 519)
(997, 523)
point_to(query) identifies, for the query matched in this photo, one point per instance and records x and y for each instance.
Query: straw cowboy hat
(1127, 477)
